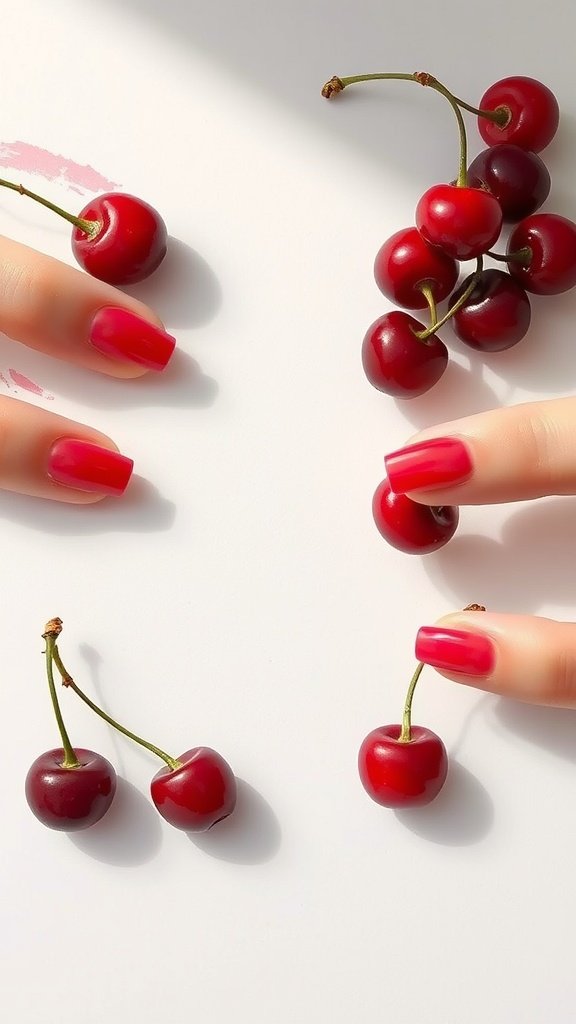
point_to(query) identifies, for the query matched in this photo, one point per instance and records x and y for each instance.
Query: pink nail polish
(88, 467)
(123, 335)
(455, 650)
(434, 463)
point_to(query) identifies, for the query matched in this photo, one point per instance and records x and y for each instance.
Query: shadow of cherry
(184, 289)
(461, 815)
(251, 835)
(128, 835)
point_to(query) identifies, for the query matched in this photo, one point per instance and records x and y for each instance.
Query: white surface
(242, 596)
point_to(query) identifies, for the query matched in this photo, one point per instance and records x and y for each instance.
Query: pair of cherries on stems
(418, 267)
(404, 765)
(71, 788)
(116, 237)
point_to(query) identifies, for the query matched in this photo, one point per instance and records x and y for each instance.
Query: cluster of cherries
(70, 788)
(116, 237)
(417, 268)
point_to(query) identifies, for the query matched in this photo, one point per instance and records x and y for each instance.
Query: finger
(65, 313)
(49, 456)
(520, 656)
(512, 454)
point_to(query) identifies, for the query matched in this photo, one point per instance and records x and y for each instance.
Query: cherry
(127, 242)
(67, 788)
(495, 316)
(198, 794)
(405, 265)
(403, 765)
(398, 362)
(410, 526)
(192, 792)
(530, 109)
(116, 237)
(464, 222)
(72, 797)
(519, 180)
(541, 254)
(398, 773)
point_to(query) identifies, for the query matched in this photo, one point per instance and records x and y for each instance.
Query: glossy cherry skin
(497, 314)
(406, 262)
(70, 799)
(130, 243)
(198, 794)
(409, 526)
(551, 240)
(407, 774)
(464, 222)
(398, 363)
(533, 113)
(519, 180)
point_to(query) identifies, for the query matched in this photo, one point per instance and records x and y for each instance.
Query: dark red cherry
(496, 316)
(532, 113)
(128, 242)
(464, 222)
(406, 263)
(70, 799)
(198, 794)
(518, 179)
(549, 242)
(409, 526)
(399, 773)
(396, 361)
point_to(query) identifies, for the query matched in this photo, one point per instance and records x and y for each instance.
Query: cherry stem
(67, 680)
(406, 730)
(52, 630)
(424, 335)
(90, 227)
(405, 733)
(429, 296)
(336, 85)
(523, 255)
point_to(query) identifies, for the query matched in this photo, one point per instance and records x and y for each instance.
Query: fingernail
(433, 463)
(455, 650)
(123, 335)
(88, 467)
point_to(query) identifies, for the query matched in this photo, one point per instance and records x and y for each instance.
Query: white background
(240, 595)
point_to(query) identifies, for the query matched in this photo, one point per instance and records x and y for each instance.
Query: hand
(512, 454)
(63, 312)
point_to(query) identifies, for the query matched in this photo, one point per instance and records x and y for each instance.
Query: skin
(518, 453)
(48, 306)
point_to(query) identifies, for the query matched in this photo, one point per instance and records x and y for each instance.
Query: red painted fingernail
(88, 467)
(123, 335)
(433, 463)
(455, 650)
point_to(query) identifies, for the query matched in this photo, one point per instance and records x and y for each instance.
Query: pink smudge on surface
(28, 385)
(21, 156)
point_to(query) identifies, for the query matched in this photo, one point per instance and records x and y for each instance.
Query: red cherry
(550, 244)
(497, 314)
(70, 799)
(198, 794)
(407, 773)
(464, 222)
(399, 363)
(405, 263)
(128, 242)
(519, 180)
(532, 110)
(410, 526)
